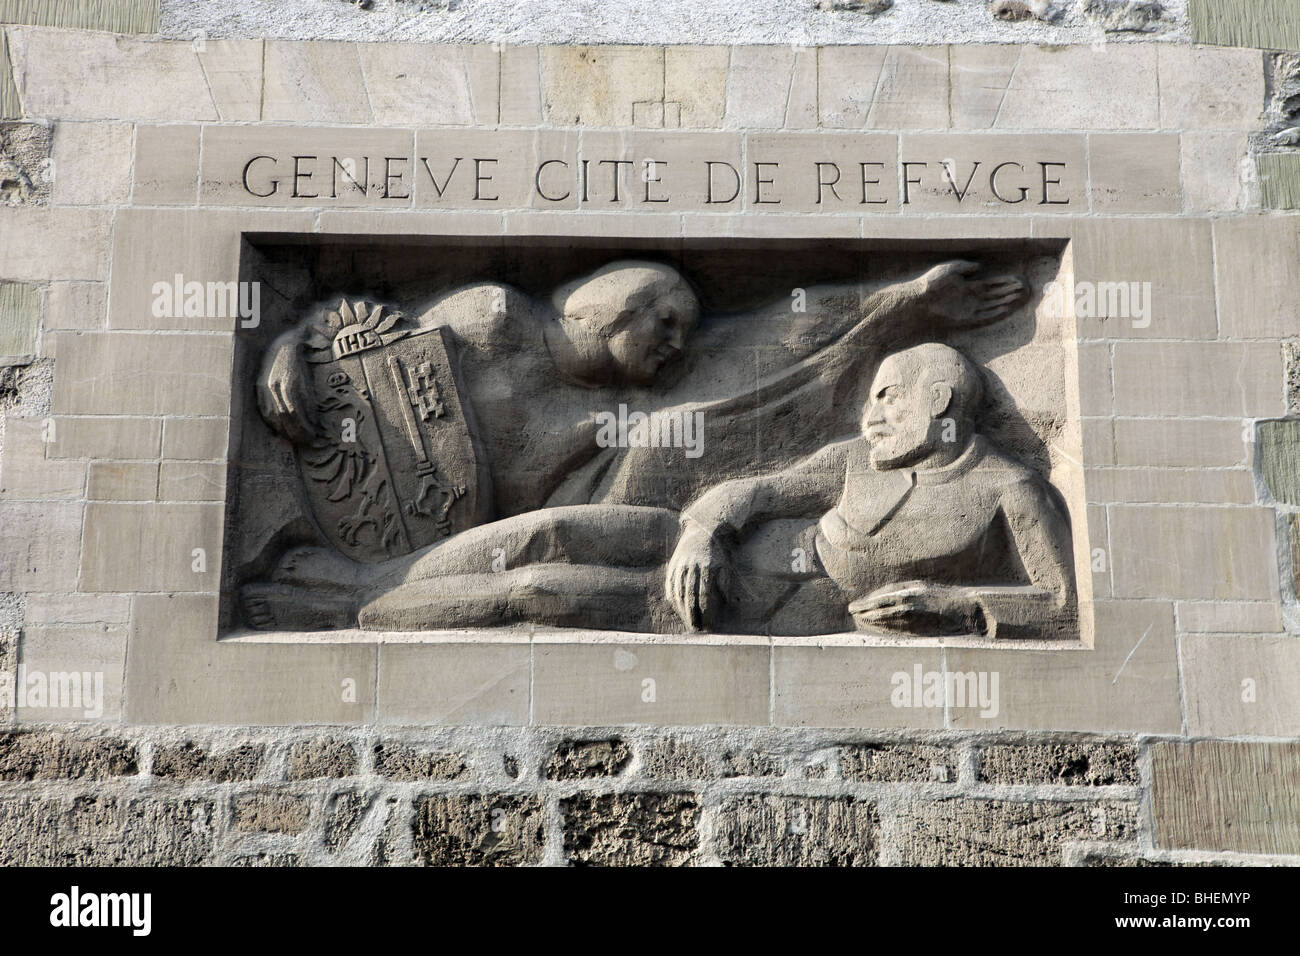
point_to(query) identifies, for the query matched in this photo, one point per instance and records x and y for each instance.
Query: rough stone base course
(597, 797)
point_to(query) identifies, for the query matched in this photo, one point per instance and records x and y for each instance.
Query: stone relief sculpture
(477, 465)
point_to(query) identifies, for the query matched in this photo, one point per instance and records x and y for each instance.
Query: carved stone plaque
(630, 443)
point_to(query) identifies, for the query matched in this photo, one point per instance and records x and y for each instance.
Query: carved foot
(280, 607)
(321, 569)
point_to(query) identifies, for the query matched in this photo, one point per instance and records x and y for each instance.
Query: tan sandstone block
(1210, 87)
(979, 76)
(39, 549)
(123, 481)
(1224, 553)
(234, 72)
(1098, 538)
(83, 668)
(94, 437)
(1229, 617)
(418, 83)
(1173, 443)
(1214, 168)
(61, 610)
(1127, 683)
(521, 91)
(1148, 278)
(848, 686)
(130, 373)
(314, 82)
(1134, 172)
(1170, 485)
(166, 165)
(1255, 261)
(92, 163)
(1221, 795)
(54, 244)
(454, 684)
(758, 82)
(195, 439)
(134, 79)
(26, 472)
(75, 305)
(151, 547)
(154, 246)
(192, 481)
(1241, 684)
(178, 673)
(912, 92)
(881, 87)
(1095, 380)
(695, 79)
(638, 683)
(1079, 87)
(1212, 378)
(599, 85)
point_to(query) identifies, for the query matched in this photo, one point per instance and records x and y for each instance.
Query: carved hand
(696, 577)
(953, 297)
(284, 390)
(919, 608)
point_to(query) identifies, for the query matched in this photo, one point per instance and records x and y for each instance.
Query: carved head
(628, 319)
(923, 403)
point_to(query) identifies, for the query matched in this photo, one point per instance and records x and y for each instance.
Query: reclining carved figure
(916, 527)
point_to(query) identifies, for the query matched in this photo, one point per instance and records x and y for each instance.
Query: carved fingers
(996, 297)
(693, 579)
(284, 393)
(914, 605)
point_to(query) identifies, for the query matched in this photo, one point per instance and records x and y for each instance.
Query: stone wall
(610, 797)
(1179, 749)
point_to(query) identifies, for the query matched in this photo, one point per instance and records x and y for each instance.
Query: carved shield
(395, 468)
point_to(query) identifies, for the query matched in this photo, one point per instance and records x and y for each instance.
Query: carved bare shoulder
(481, 314)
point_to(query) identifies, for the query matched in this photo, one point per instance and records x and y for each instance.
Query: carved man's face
(899, 418)
(654, 335)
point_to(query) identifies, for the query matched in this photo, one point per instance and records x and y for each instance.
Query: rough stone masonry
(200, 663)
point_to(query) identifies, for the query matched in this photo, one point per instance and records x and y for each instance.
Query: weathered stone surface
(344, 813)
(400, 762)
(1127, 16)
(631, 829)
(188, 761)
(963, 832)
(276, 860)
(1260, 24)
(33, 755)
(25, 173)
(106, 831)
(753, 763)
(270, 811)
(478, 830)
(324, 757)
(675, 758)
(1278, 447)
(583, 759)
(898, 763)
(797, 831)
(1222, 795)
(1082, 764)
